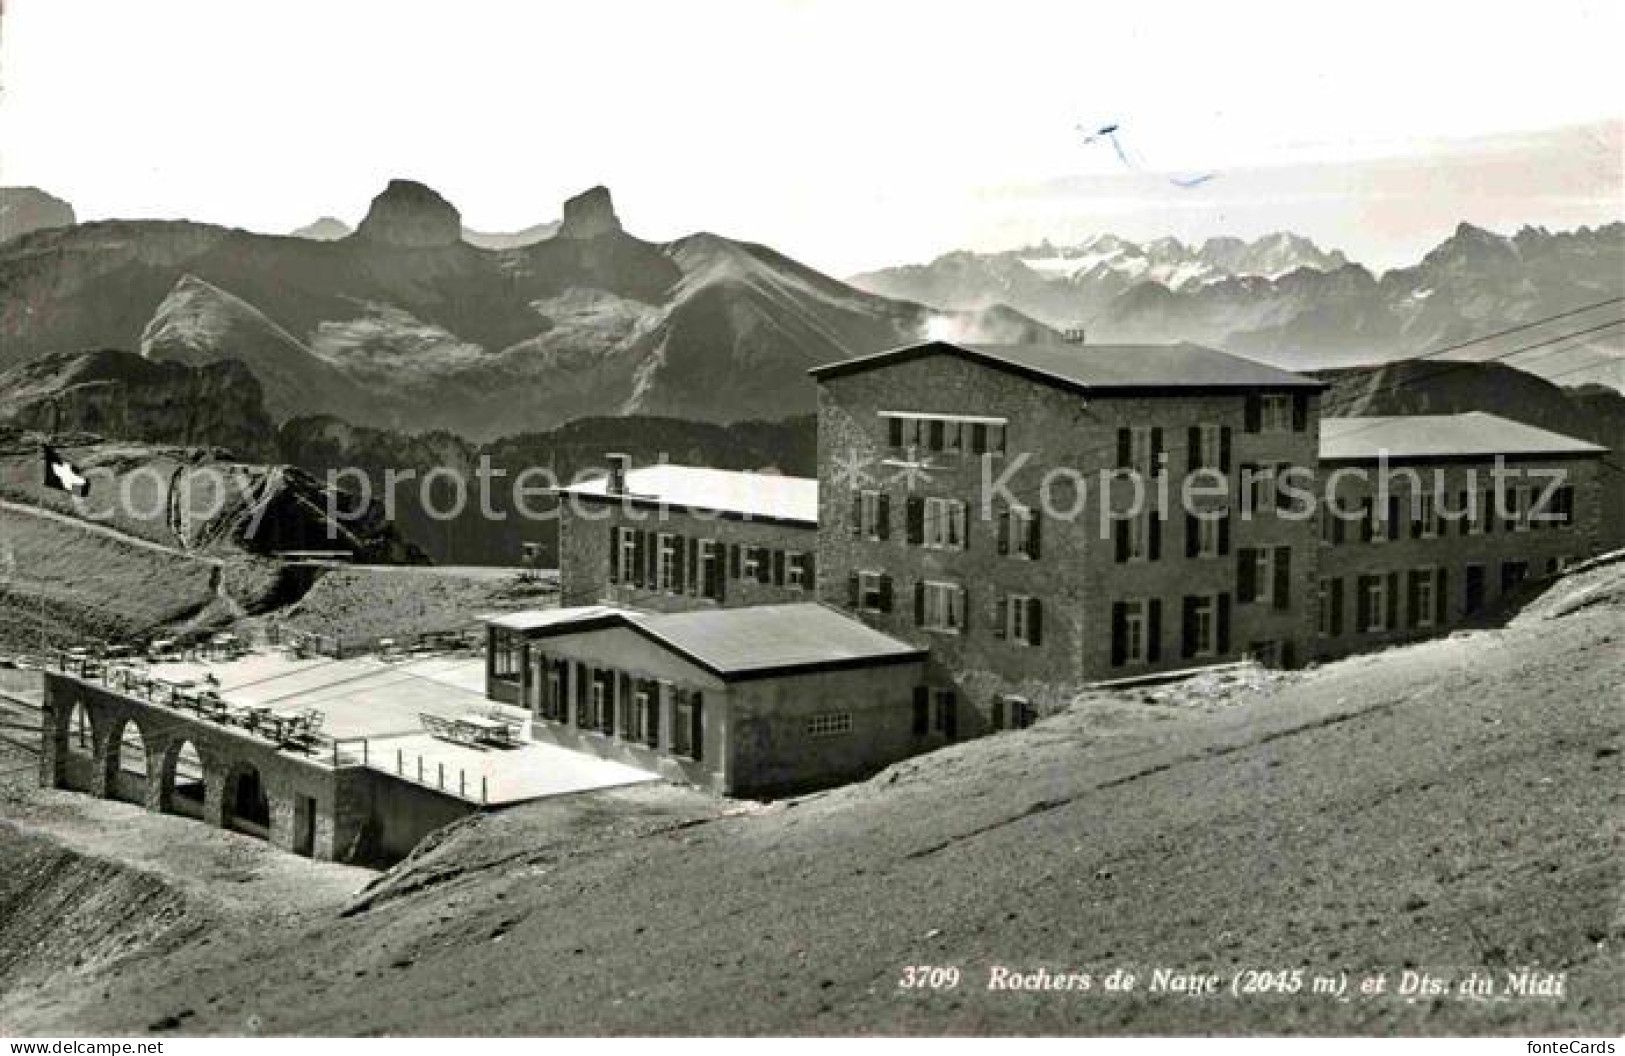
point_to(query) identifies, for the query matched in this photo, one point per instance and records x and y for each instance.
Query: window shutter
(651, 554)
(922, 711)
(1120, 539)
(1224, 534)
(885, 593)
(894, 431)
(1224, 623)
(1154, 529)
(1413, 586)
(694, 565)
(915, 513)
(1393, 600)
(1193, 529)
(1254, 413)
(963, 513)
(639, 544)
(1336, 600)
(1366, 530)
(1339, 526)
(1300, 412)
(1193, 448)
(778, 568)
(1283, 578)
(1362, 602)
(1119, 633)
(1393, 517)
(1035, 621)
(1003, 529)
(1416, 518)
(998, 712)
(883, 516)
(1246, 575)
(856, 519)
(733, 560)
(1441, 597)
(1124, 447)
(1187, 630)
(1001, 616)
(614, 555)
(852, 589)
(919, 603)
(679, 551)
(1156, 449)
(1035, 535)
(1153, 631)
(1224, 449)
(809, 571)
(964, 610)
(765, 562)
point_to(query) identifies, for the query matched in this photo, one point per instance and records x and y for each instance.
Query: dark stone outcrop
(412, 215)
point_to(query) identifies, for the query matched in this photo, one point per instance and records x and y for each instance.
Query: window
(1470, 505)
(1020, 618)
(1329, 594)
(1139, 449)
(1275, 414)
(507, 655)
(554, 696)
(1202, 623)
(1209, 447)
(1133, 631)
(1018, 532)
(646, 713)
(942, 607)
(1208, 530)
(628, 552)
(755, 566)
(687, 733)
(829, 724)
(1422, 600)
(944, 524)
(949, 434)
(873, 514)
(1424, 516)
(710, 571)
(1139, 538)
(871, 592)
(598, 711)
(1373, 604)
(1264, 575)
(1376, 524)
(1259, 485)
(1520, 508)
(1513, 573)
(666, 563)
(800, 571)
(1012, 713)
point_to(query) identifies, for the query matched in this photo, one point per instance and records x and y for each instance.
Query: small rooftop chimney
(1073, 335)
(618, 465)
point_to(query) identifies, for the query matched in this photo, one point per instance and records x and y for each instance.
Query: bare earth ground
(1445, 806)
(367, 602)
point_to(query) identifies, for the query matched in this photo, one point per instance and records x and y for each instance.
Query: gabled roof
(1098, 368)
(1474, 434)
(736, 644)
(758, 496)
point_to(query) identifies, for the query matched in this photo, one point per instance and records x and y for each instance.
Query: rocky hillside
(25, 209)
(404, 324)
(1284, 300)
(122, 395)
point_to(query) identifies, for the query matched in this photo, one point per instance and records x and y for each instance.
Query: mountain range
(404, 324)
(1284, 300)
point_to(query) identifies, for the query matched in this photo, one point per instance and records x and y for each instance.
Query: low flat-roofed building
(773, 699)
(1429, 522)
(673, 538)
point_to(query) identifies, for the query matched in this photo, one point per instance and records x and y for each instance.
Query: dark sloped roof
(751, 642)
(1098, 368)
(1474, 434)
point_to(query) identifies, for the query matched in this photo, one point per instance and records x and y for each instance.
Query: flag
(62, 476)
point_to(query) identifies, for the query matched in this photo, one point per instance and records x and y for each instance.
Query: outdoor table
(483, 729)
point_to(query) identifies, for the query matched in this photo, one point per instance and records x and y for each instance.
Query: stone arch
(182, 779)
(81, 730)
(246, 801)
(75, 747)
(124, 762)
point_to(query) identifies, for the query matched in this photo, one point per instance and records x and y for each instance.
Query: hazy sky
(849, 135)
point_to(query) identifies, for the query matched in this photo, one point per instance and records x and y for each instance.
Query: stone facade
(587, 576)
(1443, 571)
(1056, 446)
